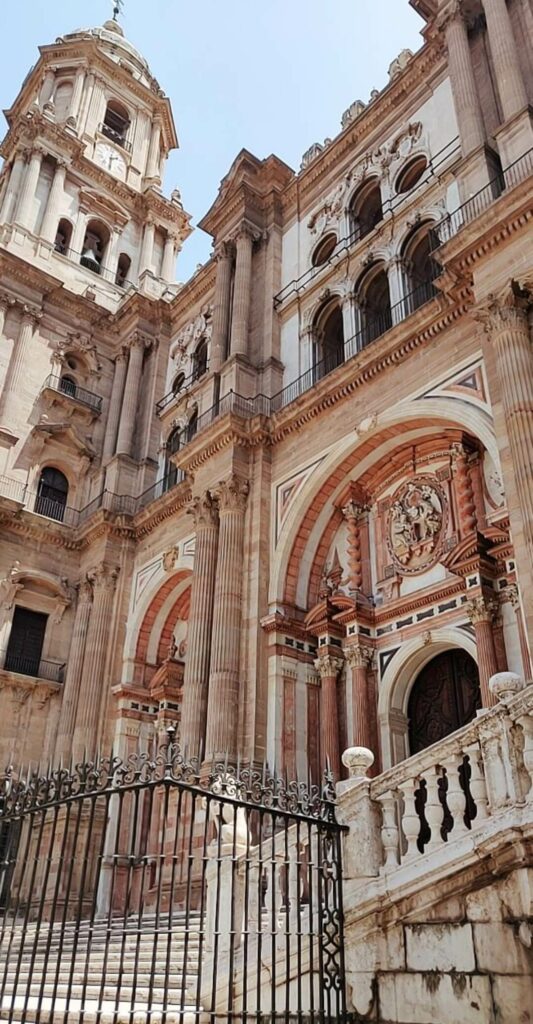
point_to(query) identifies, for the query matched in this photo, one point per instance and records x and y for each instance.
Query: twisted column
(10, 403)
(464, 89)
(115, 404)
(504, 54)
(219, 337)
(223, 706)
(200, 627)
(481, 614)
(465, 493)
(352, 512)
(328, 668)
(25, 213)
(242, 292)
(51, 213)
(130, 401)
(359, 657)
(71, 690)
(103, 580)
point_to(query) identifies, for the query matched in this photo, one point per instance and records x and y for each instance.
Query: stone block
(484, 905)
(440, 947)
(434, 998)
(499, 950)
(513, 1000)
(516, 892)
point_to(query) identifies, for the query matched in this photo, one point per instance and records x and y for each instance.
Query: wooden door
(445, 697)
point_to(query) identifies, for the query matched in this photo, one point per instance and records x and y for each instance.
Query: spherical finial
(358, 760)
(113, 26)
(505, 685)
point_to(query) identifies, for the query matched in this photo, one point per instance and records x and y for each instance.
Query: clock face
(108, 157)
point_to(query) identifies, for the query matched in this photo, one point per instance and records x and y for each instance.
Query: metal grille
(156, 889)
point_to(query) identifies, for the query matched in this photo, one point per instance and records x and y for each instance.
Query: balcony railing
(175, 393)
(74, 391)
(95, 268)
(29, 665)
(507, 179)
(115, 136)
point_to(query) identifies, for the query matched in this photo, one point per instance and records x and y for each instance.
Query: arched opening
(123, 269)
(420, 267)
(324, 250)
(445, 696)
(178, 383)
(62, 98)
(52, 494)
(411, 174)
(366, 210)
(373, 297)
(63, 237)
(199, 360)
(192, 426)
(328, 334)
(170, 469)
(116, 122)
(94, 246)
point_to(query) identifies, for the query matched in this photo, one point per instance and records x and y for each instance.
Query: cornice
(196, 292)
(165, 507)
(49, 533)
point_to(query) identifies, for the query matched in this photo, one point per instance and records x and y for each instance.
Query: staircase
(122, 971)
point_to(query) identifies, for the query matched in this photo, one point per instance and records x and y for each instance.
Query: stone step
(132, 994)
(106, 1014)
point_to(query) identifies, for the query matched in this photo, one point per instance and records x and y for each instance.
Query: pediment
(66, 434)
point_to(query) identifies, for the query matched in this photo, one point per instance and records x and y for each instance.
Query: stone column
(103, 580)
(200, 628)
(147, 248)
(359, 657)
(5, 303)
(328, 669)
(349, 324)
(130, 400)
(465, 494)
(464, 89)
(47, 88)
(169, 259)
(76, 97)
(25, 212)
(51, 213)
(152, 163)
(396, 273)
(13, 185)
(504, 54)
(115, 404)
(10, 400)
(514, 597)
(78, 235)
(242, 292)
(71, 689)
(481, 614)
(223, 706)
(353, 512)
(110, 261)
(219, 337)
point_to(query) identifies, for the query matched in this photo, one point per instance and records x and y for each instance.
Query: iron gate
(154, 889)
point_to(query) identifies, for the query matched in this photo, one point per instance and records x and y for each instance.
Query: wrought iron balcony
(65, 386)
(29, 665)
(114, 136)
(178, 391)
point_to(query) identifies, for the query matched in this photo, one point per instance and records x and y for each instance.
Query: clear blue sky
(273, 76)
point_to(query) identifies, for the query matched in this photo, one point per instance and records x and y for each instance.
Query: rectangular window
(26, 640)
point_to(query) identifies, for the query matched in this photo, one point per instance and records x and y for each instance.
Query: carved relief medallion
(415, 525)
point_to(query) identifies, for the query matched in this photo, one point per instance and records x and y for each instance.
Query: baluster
(410, 818)
(494, 772)
(433, 810)
(478, 789)
(390, 834)
(455, 797)
(526, 724)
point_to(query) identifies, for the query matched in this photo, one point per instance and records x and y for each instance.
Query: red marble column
(328, 668)
(481, 613)
(359, 656)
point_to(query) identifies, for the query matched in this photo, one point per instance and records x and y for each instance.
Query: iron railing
(71, 390)
(176, 393)
(115, 136)
(504, 180)
(28, 665)
(152, 890)
(95, 268)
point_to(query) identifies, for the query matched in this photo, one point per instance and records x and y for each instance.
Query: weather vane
(117, 8)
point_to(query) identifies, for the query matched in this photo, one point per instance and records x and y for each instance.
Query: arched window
(178, 383)
(63, 236)
(172, 445)
(192, 426)
(116, 122)
(366, 210)
(324, 250)
(420, 267)
(373, 298)
(52, 494)
(62, 98)
(123, 268)
(94, 246)
(328, 334)
(199, 360)
(68, 386)
(411, 174)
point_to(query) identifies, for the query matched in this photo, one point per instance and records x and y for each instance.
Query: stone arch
(155, 616)
(398, 679)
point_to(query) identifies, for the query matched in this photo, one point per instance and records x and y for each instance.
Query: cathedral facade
(287, 506)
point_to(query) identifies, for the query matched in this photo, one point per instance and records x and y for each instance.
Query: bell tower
(81, 188)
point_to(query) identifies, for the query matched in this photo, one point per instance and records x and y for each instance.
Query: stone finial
(399, 64)
(354, 110)
(505, 685)
(358, 760)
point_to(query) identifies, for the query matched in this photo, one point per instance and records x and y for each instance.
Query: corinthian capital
(505, 309)
(327, 666)
(232, 494)
(479, 609)
(104, 577)
(224, 251)
(204, 510)
(359, 655)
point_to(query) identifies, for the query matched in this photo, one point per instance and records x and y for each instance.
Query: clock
(107, 157)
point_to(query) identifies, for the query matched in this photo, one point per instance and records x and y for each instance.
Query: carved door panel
(445, 697)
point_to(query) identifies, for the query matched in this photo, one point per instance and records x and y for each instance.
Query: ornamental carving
(415, 525)
(191, 334)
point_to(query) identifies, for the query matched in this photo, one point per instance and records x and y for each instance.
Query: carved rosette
(416, 525)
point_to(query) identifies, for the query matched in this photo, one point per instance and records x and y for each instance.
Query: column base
(515, 138)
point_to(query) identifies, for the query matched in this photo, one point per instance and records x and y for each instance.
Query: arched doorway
(444, 697)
